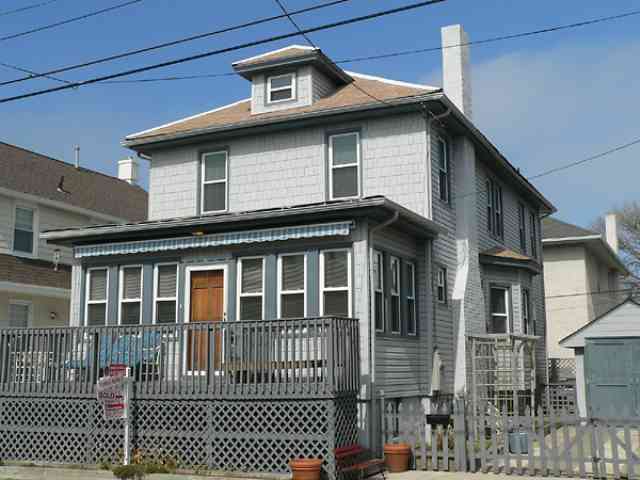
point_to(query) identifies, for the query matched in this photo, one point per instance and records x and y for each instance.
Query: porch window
(443, 168)
(441, 285)
(19, 314)
(281, 88)
(97, 288)
(23, 232)
(499, 302)
(527, 320)
(131, 295)
(378, 290)
(411, 298)
(214, 182)
(291, 286)
(251, 288)
(335, 282)
(344, 165)
(395, 294)
(533, 231)
(166, 293)
(522, 228)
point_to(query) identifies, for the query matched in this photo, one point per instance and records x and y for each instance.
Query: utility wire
(67, 21)
(211, 53)
(172, 43)
(32, 73)
(422, 50)
(25, 8)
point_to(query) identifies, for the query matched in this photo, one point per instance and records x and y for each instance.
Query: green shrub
(129, 472)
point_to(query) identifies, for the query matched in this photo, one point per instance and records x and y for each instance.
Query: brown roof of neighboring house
(237, 113)
(34, 272)
(283, 54)
(502, 256)
(502, 252)
(29, 172)
(554, 228)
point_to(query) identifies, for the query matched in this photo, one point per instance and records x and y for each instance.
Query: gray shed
(607, 353)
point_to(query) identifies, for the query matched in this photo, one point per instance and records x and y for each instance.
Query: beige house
(582, 275)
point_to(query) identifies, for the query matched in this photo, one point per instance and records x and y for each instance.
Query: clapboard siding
(322, 85)
(623, 321)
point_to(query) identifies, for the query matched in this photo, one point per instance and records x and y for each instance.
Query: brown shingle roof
(240, 112)
(554, 228)
(35, 174)
(34, 272)
(283, 54)
(502, 252)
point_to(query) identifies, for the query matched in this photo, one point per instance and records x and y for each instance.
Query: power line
(172, 43)
(211, 53)
(67, 21)
(32, 73)
(25, 8)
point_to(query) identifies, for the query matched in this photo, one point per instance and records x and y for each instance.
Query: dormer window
(281, 88)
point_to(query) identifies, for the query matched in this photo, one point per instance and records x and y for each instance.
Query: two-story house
(325, 196)
(39, 193)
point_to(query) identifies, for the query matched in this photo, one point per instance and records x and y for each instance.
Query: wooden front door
(207, 305)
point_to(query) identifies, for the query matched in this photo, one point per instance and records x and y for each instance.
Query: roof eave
(595, 242)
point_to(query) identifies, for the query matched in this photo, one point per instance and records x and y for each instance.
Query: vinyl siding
(322, 85)
(303, 91)
(623, 321)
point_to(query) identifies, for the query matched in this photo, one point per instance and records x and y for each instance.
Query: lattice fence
(259, 436)
(561, 369)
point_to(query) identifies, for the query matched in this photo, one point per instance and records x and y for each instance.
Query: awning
(216, 240)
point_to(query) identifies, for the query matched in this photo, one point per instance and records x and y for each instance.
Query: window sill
(397, 336)
(31, 256)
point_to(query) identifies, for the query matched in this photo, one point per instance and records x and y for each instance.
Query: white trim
(443, 271)
(35, 230)
(572, 239)
(202, 268)
(88, 301)
(204, 182)
(390, 81)
(324, 289)
(301, 47)
(412, 296)
(22, 303)
(157, 299)
(121, 299)
(280, 290)
(376, 253)
(292, 87)
(239, 293)
(395, 293)
(357, 164)
(507, 304)
(191, 117)
(51, 292)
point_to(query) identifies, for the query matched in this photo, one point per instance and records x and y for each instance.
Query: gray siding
(322, 85)
(259, 91)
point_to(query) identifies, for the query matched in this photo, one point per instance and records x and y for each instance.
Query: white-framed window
(394, 293)
(97, 296)
(292, 285)
(499, 321)
(215, 170)
(20, 313)
(251, 288)
(281, 88)
(165, 293)
(377, 268)
(411, 298)
(527, 319)
(24, 230)
(344, 165)
(335, 282)
(441, 285)
(130, 304)
(443, 169)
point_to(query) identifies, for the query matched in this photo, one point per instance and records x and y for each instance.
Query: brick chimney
(128, 170)
(456, 78)
(611, 230)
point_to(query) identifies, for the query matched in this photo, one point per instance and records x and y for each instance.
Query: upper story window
(19, 313)
(344, 165)
(281, 88)
(251, 288)
(395, 294)
(443, 168)
(291, 286)
(495, 218)
(533, 232)
(96, 294)
(522, 228)
(166, 293)
(24, 230)
(499, 321)
(528, 324)
(335, 282)
(441, 285)
(378, 290)
(214, 182)
(131, 295)
(411, 298)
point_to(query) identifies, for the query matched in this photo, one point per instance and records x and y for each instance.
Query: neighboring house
(582, 276)
(326, 194)
(607, 367)
(40, 193)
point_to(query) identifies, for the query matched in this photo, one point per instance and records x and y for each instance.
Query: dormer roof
(293, 55)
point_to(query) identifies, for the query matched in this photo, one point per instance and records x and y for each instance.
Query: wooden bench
(356, 462)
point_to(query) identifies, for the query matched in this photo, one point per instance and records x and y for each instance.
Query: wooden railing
(296, 358)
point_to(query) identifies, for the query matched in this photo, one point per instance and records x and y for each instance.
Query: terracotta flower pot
(305, 468)
(396, 457)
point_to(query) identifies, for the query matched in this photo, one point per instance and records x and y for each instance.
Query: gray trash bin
(516, 438)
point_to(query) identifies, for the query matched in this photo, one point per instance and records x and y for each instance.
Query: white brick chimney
(128, 170)
(456, 79)
(611, 230)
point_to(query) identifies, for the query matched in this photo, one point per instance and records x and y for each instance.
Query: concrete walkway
(422, 475)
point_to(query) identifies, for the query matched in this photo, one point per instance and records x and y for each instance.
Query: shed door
(611, 373)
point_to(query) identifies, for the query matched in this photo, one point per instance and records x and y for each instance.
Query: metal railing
(293, 358)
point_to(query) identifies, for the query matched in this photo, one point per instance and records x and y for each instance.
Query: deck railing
(293, 358)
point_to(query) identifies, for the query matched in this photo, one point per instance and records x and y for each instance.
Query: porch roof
(378, 209)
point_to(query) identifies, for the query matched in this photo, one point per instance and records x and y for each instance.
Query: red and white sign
(113, 392)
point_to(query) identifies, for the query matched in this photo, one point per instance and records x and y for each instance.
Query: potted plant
(397, 456)
(305, 468)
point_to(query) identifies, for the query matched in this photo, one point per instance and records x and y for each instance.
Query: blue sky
(543, 101)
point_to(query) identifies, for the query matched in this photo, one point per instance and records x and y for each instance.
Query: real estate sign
(113, 392)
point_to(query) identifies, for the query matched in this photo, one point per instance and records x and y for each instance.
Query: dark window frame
(444, 171)
(444, 298)
(533, 233)
(522, 227)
